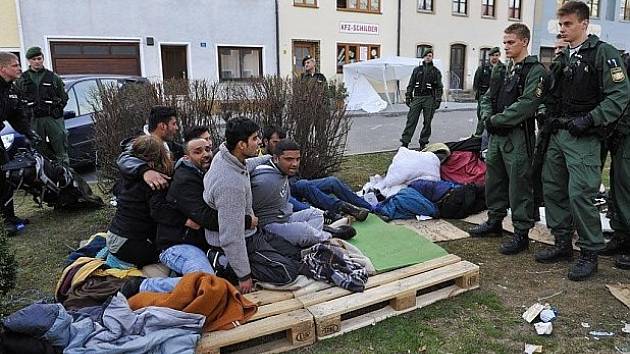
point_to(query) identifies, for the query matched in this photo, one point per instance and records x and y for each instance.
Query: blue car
(78, 116)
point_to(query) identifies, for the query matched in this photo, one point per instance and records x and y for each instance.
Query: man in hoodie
(271, 193)
(251, 253)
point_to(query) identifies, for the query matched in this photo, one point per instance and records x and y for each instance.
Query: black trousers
(272, 259)
(6, 190)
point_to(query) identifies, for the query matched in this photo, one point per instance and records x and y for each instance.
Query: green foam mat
(392, 246)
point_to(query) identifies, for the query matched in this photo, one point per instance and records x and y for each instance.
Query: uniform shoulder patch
(540, 89)
(617, 74)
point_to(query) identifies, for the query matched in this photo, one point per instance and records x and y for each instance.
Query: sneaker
(344, 232)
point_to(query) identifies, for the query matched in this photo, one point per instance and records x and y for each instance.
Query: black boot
(358, 213)
(490, 228)
(519, 242)
(584, 267)
(616, 244)
(344, 232)
(561, 251)
(622, 261)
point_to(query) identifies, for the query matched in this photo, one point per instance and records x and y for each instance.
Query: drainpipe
(18, 14)
(277, 40)
(397, 96)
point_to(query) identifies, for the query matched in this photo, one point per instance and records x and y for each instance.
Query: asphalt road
(379, 133)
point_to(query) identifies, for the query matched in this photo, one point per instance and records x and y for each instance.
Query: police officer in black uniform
(10, 111)
(310, 70)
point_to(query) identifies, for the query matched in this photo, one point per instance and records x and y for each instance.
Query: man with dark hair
(198, 132)
(310, 70)
(162, 124)
(508, 111)
(481, 83)
(46, 97)
(424, 95)
(251, 253)
(271, 193)
(271, 136)
(10, 111)
(591, 91)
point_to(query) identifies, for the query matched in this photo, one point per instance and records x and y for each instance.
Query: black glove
(495, 130)
(579, 125)
(408, 100)
(32, 139)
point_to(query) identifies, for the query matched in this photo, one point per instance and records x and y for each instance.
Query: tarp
(357, 77)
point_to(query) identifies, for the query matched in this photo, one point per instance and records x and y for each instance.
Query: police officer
(46, 97)
(10, 111)
(619, 146)
(310, 70)
(424, 95)
(592, 90)
(481, 83)
(508, 110)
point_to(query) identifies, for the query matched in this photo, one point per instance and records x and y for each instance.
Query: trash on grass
(585, 325)
(547, 315)
(532, 348)
(533, 312)
(543, 328)
(601, 334)
(626, 328)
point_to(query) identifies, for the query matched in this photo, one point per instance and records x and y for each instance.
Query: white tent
(361, 93)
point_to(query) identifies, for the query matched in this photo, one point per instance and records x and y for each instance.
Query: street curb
(396, 114)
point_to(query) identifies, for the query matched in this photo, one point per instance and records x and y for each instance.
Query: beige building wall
(9, 35)
(441, 29)
(322, 24)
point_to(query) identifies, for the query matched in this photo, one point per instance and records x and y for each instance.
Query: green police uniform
(591, 90)
(481, 83)
(46, 97)
(509, 108)
(424, 95)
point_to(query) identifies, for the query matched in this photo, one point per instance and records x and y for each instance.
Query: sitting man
(270, 198)
(317, 192)
(251, 253)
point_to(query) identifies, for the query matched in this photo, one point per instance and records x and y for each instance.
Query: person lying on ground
(270, 198)
(251, 253)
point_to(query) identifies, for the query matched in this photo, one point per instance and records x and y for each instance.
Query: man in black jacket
(10, 111)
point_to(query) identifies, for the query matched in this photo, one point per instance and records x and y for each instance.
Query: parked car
(77, 115)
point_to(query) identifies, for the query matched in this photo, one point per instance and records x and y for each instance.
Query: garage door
(95, 58)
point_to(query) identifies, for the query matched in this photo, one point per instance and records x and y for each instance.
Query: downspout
(397, 96)
(18, 14)
(277, 40)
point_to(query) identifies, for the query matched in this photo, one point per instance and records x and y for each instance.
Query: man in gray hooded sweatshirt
(271, 193)
(251, 253)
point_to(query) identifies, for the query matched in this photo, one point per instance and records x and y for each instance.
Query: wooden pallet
(315, 312)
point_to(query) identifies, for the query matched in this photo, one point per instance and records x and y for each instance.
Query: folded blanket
(204, 294)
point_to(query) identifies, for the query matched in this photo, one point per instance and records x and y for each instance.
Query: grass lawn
(487, 320)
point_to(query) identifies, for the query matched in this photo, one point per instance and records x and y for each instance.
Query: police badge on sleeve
(617, 74)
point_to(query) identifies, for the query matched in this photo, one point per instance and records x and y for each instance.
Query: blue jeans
(185, 259)
(318, 192)
(159, 285)
(298, 205)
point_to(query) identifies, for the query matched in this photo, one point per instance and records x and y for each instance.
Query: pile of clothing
(442, 181)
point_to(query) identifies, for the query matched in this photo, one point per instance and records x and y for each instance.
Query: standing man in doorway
(46, 96)
(310, 70)
(424, 95)
(482, 81)
(591, 92)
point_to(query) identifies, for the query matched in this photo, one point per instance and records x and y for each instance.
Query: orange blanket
(204, 294)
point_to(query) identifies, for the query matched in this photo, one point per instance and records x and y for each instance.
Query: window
(514, 9)
(307, 3)
(625, 10)
(352, 53)
(239, 63)
(373, 6)
(420, 48)
(425, 5)
(484, 56)
(460, 7)
(594, 6)
(86, 92)
(487, 8)
(71, 106)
